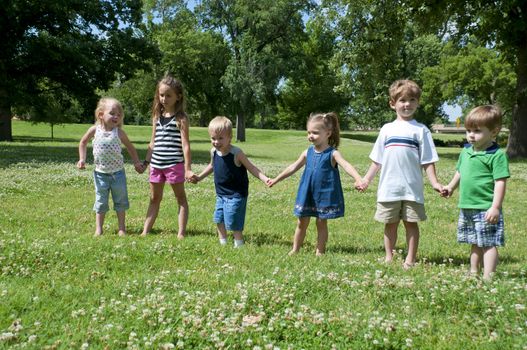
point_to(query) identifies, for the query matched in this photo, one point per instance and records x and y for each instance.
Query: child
(403, 147)
(109, 174)
(169, 151)
(320, 191)
(230, 166)
(481, 173)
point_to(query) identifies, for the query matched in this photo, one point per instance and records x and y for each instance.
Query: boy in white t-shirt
(402, 149)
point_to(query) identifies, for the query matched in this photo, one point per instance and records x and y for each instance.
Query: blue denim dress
(320, 191)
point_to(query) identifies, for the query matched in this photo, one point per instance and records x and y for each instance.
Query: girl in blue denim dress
(320, 191)
(109, 175)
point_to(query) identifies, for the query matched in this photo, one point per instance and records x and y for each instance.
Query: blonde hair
(331, 122)
(157, 107)
(404, 87)
(220, 124)
(103, 103)
(489, 116)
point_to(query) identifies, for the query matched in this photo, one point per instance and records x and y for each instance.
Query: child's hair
(220, 124)
(157, 107)
(489, 116)
(103, 103)
(404, 87)
(331, 122)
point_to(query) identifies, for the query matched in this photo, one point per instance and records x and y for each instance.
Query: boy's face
(405, 107)
(221, 141)
(480, 137)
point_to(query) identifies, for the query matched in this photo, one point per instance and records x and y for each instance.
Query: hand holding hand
(139, 167)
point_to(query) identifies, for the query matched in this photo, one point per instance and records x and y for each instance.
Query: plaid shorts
(473, 229)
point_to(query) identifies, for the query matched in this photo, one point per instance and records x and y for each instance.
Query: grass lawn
(61, 288)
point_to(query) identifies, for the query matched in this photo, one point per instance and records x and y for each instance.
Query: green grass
(62, 288)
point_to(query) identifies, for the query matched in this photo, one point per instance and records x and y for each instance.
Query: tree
(259, 34)
(67, 49)
(470, 76)
(500, 24)
(377, 45)
(310, 85)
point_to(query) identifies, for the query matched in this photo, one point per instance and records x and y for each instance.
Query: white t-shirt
(402, 148)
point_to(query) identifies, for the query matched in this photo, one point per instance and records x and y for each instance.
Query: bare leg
(222, 232)
(322, 237)
(99, 222)
(156, 194)
(390, 239)
(490, 261)
(412, 241)
(181, 196)
(476, 258)
(121, 220)
(300, 234)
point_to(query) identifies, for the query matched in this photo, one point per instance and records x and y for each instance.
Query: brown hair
(487, 115)
(157, 107)
(103, 103)
(404, 87)
(331, 122)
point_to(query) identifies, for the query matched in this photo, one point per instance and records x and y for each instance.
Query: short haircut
(404, 87)
(220, 124)
(489, 116)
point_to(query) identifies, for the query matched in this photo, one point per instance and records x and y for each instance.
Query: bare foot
(121, 233)
(408, 266)
(97, 234)
(292, 252)
(143, 234)
(180, 236)
(319, 253)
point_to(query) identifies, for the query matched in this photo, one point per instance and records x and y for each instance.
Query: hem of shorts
(316, 215)
(482, 246)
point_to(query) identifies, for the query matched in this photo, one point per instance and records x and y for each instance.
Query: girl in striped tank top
(169, 151)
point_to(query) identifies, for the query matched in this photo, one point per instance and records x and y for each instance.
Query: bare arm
(430, 170)
(83, 145)
(206, 172)
(185, 141)
(290, 170)
(150, 148)
(131, 151)
(370, 174)
(452, 185)
(493, 214)
(347, 167)
(257, 173)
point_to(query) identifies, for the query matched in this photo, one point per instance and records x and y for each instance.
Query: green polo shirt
(479, 170)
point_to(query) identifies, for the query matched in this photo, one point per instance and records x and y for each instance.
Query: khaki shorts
(391, 212)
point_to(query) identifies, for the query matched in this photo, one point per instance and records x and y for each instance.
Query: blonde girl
(109, 175)
(320, 191)
(169, 151)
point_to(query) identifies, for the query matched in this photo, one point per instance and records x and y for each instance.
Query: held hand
(139, 168)
(81, 164)
(271, 182)
(438, 187)
(446, 192)
(492, 215)
(189, 174)
(194, 179)
(362, 186)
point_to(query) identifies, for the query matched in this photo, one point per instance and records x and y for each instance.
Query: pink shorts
(173, 175)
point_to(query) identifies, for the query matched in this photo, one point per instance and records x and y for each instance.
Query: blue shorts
(115, 184)
(231, 212)
(473, 229)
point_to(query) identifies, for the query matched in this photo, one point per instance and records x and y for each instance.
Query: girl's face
(318, 134)
(168, 97)
(111, 116)
(480, 137)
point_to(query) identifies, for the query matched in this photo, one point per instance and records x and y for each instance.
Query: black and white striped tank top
(168, 149)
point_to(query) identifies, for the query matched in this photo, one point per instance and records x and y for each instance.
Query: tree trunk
(5, 117)
(240, 127)
(517, 145)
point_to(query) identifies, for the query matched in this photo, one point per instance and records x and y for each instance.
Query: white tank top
(107, 154)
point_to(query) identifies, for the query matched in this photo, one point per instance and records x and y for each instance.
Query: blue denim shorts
(473, 229)
(231, 212)
(115, 184)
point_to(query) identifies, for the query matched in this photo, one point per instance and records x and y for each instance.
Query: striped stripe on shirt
(168, 149)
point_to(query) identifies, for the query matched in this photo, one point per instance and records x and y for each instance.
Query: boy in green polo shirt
(481, 173)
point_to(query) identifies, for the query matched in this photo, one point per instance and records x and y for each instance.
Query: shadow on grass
(458, 260)
(359, 137)
(13, 153)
